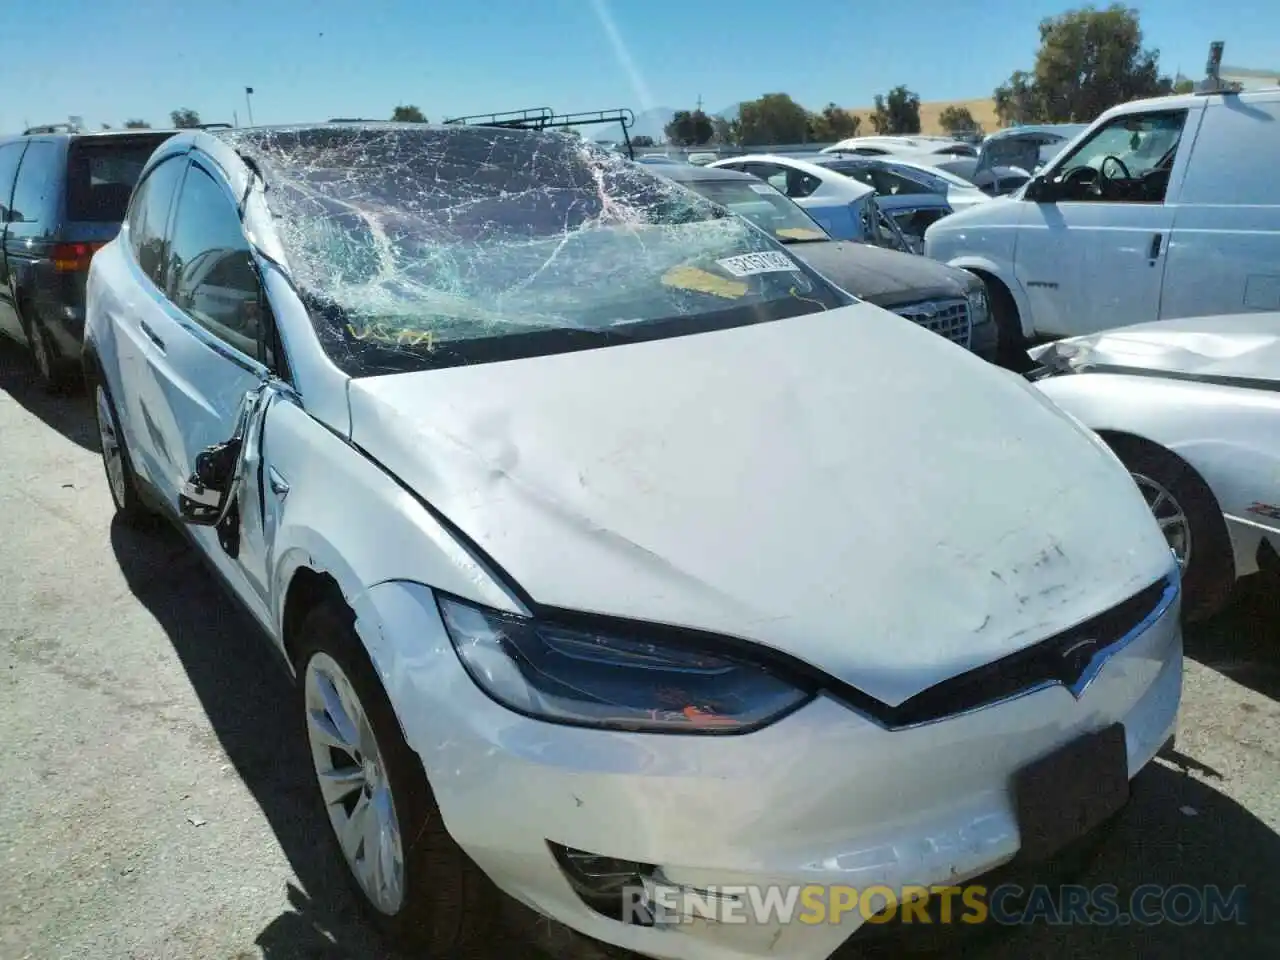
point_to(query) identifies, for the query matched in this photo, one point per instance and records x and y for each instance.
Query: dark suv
(62, 196)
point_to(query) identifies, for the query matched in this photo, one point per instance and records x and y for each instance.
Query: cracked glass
(416, 247)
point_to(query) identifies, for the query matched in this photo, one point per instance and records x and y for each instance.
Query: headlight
(979, 311)
(584, 678)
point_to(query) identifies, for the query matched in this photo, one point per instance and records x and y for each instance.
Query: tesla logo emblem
(1076, 657)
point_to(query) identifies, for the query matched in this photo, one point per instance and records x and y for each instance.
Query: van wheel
(415, 884)
(1011, 346)
(49, 364)
(1191, 520)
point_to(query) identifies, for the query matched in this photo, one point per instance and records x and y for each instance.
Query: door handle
(279, 486)
(152, 335)
(1154, 253)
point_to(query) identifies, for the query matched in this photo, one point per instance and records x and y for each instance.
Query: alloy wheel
(112, 450)
(354, 783)
(40, 352)
(1170, 516)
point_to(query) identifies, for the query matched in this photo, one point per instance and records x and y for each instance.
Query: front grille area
(1064, 658)
(947, 318)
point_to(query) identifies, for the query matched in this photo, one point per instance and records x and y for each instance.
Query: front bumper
(822, 797)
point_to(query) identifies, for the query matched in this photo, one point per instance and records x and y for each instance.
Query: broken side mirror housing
(209, 493)
(206, 495)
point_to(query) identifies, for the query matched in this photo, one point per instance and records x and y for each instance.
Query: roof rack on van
(53, 128)
(1213, 82)
(544, 118)
(350, 120)
(213, 126)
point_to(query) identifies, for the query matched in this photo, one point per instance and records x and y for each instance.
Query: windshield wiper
(788, 241)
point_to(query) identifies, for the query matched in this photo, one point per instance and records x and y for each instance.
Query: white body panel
(1079, 267)
(646, 491)
(846, 487)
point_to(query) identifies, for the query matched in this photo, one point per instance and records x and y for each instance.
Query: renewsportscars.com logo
(972, 904)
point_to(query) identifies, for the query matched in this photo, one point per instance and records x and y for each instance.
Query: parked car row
(560, 483)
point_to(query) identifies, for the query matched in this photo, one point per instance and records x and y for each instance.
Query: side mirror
(206, 496)
(1041, 190)
(209, 494)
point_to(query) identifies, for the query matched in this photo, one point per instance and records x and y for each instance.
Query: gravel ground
(149, 810)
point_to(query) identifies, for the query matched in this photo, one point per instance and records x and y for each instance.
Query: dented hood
(1241, 346)
(843, 486)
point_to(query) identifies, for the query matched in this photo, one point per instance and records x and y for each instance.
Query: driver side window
(1126, 161)
(212, 276)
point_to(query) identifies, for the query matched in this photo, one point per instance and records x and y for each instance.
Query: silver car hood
(845, 487)
(1241, 346)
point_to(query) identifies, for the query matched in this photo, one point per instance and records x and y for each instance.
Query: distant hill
(983, 110)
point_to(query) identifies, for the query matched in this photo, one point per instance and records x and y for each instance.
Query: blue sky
(108, 60)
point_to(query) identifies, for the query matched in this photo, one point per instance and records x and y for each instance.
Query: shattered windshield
(420, 247)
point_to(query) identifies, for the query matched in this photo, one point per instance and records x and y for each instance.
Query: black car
(62, 196)
(949, 301)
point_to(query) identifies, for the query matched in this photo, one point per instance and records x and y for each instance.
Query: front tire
(412, 880)
(1191, 520)
(1011, 345)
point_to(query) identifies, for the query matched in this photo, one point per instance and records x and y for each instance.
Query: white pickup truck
(1160, 209)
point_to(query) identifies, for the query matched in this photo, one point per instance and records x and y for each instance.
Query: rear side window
(101, 175)
(10, 154)
(37, 186)
(149, 215)
(1233, 160)
(213, 278)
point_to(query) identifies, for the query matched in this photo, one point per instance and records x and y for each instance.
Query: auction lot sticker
(749, 264)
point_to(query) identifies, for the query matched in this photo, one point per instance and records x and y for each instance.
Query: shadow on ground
(68, 412)
(1243, 642)
(1177, 830)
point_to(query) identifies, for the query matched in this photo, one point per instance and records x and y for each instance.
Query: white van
(1162, 208)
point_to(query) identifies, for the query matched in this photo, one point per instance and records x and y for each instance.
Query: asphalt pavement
(155, 800)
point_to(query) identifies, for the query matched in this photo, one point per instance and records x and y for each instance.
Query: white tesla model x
(610, 545)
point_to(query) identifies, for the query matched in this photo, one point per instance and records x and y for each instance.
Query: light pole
(248, 102)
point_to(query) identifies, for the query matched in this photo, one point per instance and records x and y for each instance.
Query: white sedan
(614, 550)
(1192, 406)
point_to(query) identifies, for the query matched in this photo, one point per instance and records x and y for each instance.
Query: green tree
(642, 141)
(407, 114)
(1017, 100)
(1183, 85)
(689, 128)
(773, 118)
(137, 125)
(898, 112)
(833, 124)
(958, 120)
(184, 118)
(1089, 60)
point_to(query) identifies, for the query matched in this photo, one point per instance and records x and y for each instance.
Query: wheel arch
(998, 279)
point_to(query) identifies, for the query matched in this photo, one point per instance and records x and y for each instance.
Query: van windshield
(419, 247)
